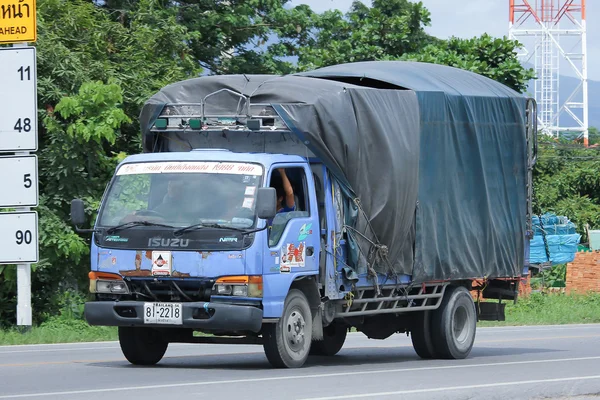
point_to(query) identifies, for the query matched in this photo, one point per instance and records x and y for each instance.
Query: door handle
(310, 251)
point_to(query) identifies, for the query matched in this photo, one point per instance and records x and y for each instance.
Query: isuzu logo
(157, 242)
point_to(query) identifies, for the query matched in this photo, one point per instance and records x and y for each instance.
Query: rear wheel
(421, 335)
(454, 324)
(287, 342)
(334, 337)
(142, 346)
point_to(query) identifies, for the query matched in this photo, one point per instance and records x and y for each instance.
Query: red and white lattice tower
(553, 35)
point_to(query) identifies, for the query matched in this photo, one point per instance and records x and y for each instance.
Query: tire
(334, 337)
(142, 346)
(421, 335)
(454, 324)
(287, 342)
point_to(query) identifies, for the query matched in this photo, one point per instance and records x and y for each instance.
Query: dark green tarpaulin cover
(471, 214)
(436, 155)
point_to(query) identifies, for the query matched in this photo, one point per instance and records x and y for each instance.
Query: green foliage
(555, 308)
(388, 28)
(554, 277)
(8, 300)
(392, 30)
(59, 330)
(566, 182)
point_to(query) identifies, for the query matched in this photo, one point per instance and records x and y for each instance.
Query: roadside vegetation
(551, 309)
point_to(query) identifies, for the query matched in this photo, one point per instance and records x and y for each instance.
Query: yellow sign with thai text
(17, 21)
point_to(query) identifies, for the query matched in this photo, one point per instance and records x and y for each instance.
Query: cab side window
(292, 201)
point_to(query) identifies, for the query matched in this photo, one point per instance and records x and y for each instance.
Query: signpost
(18, 137)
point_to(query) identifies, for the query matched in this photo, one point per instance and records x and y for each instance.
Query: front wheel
(142, 346)
(454, 324)
(287, 342)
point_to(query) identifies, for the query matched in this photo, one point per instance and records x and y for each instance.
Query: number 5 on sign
(19, 238)
(19, 174)
(18, 102)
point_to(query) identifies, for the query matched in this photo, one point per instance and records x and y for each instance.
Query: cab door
(293, 237)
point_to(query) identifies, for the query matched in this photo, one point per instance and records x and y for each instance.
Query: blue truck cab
(285, 211)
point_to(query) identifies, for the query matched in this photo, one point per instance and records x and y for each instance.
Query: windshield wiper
(201, 225)
(135, 223)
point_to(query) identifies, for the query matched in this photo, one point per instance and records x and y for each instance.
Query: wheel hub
(295, 330)
(461, 328)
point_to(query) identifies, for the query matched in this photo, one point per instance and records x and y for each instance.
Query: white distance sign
(18, 99)
(19, 180)
(19, 238)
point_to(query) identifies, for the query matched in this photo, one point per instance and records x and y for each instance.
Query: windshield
(183, 193)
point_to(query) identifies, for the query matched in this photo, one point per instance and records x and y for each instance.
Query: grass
(59, 330)
(537, 309)
(551, 309)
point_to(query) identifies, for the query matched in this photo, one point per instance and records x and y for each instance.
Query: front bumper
(221, 317)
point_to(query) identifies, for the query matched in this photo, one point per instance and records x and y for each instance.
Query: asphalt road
(506, 363)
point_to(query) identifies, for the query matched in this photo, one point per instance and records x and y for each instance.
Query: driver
(172, 206)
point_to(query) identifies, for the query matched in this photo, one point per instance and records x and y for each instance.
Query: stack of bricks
(525, 286)
(583, 274)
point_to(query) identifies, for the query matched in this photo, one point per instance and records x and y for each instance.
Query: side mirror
(77, 212)
(266, 202)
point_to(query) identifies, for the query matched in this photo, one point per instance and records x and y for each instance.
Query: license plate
(163, 313)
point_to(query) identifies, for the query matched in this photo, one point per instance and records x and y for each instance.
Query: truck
(285, 211)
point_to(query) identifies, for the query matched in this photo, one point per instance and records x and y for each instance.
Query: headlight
(101, 282)
(239, 286)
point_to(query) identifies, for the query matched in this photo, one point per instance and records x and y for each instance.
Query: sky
(468, 18)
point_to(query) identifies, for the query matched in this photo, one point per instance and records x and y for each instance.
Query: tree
(227, 36)
(566, 182)
(389, 27)
(94, 74)
(394, 30)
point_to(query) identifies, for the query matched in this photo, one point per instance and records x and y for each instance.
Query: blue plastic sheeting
(562, 248)
(553, 225)
(561, 236)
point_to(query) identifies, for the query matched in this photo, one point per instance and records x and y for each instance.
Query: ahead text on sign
(17, 21)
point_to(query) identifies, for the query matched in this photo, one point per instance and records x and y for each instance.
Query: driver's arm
(287, 187)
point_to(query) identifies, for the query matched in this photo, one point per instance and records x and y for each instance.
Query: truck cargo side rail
(393, 299)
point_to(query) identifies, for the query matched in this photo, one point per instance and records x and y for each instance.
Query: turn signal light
(239, 286)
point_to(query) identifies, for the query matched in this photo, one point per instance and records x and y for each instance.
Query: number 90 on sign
(163, 313)
(19, 238)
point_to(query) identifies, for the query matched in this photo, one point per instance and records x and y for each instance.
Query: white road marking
(308, 376)
(55, 350)
(445, 389)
